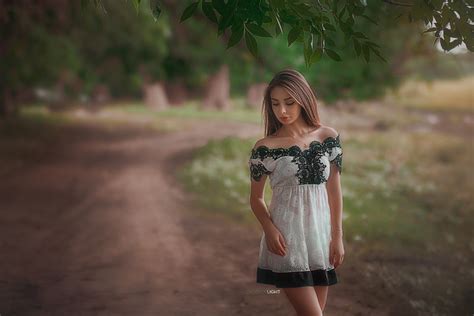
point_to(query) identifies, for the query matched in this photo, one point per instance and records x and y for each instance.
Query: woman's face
(286, 109)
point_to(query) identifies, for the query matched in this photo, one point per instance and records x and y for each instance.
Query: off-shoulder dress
(299, 208)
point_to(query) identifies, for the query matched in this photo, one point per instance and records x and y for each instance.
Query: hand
(275, 241)
(336, 251)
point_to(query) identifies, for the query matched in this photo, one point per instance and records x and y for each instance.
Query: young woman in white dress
(292, 125)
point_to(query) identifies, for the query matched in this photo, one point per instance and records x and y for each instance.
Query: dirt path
(98, 225)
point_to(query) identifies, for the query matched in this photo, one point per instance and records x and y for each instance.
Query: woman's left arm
(333, 187)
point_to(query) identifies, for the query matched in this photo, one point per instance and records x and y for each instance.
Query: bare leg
(304, 300)
(322, 294)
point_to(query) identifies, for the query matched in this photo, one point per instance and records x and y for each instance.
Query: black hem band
(297, 279)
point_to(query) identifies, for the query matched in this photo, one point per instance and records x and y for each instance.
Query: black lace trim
(297, 279)
(338, 162)
(310, 166)
(257, 171)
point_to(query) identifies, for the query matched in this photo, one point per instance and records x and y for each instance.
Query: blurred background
(124, 142)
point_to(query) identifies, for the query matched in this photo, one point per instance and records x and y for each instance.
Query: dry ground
(96, 224)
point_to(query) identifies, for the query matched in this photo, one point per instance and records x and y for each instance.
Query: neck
(296, 129)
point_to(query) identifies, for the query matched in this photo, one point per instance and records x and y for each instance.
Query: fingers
(337, 259)
(282, 244)
(278, 246)
(278, 250)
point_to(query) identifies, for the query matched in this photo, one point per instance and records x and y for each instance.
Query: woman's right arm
(274, 238)
(257, 202)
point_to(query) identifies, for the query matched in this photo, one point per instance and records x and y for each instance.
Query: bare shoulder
(328, 131)
(262, 142)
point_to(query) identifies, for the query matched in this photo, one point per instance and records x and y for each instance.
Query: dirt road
(96, 224)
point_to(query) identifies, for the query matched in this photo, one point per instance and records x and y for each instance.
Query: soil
(95, 223)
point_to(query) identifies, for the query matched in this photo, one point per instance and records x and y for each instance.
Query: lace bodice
(296, 166)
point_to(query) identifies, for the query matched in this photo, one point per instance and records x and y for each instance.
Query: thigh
(322, 294)
(304, 300)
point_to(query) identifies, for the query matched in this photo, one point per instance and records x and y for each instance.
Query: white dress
(300, 210)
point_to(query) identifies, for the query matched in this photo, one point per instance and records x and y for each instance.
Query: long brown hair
(297, 86)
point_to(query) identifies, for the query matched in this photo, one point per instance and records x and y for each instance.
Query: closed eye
(276, 104)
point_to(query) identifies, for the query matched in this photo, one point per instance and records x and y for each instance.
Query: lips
(285, 118)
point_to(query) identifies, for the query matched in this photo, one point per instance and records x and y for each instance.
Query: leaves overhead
(314, 23)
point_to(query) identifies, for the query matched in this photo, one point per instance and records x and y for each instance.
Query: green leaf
(358, 10)
(277, 29)
(341, 13)
(155, 8)
(225, 21)
(237, 34)
(293, 34)
(345, 27)
(277, 4)
(278, 26)
(431, 29)
(189, 11)
(329, 27)
(366, 51)
(257, 30)
(208, 11)
(360, 35)
(230, 9)
(136, 3)
(329, 41)
(251, 44)
(378, 54)
(357, 46)
(302, 9)
(372, 44)
(227, 18)
(332, 54)
(307, 53)
(350, 20)
(219, 5)
(371, 20)
(444, 45)
(316, 56)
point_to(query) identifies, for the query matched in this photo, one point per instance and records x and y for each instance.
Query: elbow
(253, 198)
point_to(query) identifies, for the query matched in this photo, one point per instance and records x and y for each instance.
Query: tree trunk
(8, 106)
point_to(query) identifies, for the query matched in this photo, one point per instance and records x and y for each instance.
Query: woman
(301, 244)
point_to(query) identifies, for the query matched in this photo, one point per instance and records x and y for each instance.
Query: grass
(218, 178)
(442, 95)
(407, 196)
(191, 110)
(125, 113)
(406, 200)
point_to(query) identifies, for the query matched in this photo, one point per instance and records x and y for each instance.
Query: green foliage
(314, 23)
(108, 43)
(155, 8)
(38, 51)
(125, 50)
(448, 20)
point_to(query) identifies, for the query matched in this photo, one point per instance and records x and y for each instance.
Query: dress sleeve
(259, 163)
(334, 148)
